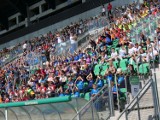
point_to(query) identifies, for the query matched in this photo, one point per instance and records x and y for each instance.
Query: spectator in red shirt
(109, 7)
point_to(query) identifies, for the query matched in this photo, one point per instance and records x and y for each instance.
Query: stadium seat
(104, 68)
(96, 69)
(123, 65)
(85, 84)
(82, 95)
(123, 90)
(87, 96)
(115, 63)
(143, 68)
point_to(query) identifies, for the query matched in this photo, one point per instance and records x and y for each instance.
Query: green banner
(36, 102)
(134, 80)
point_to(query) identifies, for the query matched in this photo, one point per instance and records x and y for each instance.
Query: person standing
(73, 41)
(109, 7)
(103, 10)
(24, 46)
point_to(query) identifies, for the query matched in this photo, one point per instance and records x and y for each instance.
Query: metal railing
(137, 110)
(99, 107)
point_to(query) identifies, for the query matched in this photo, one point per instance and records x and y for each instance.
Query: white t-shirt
(72, 40)
(24, 46)
(143, 54)
(131, 51)
(122, 52)
(136, 49)
(59, 39)
(103, 9)
(150, 45)
(114, 54)
(152, 56)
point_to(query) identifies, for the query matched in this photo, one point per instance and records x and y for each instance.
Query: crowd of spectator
(74, 74)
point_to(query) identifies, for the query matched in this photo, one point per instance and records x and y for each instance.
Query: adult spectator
(109, 8)
(73, 41)
(103, 10)
(24, 46)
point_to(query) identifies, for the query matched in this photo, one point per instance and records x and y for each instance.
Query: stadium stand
(37, 73)
(76, 74)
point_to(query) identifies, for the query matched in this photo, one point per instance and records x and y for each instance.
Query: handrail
(90, 100)
(134, 99)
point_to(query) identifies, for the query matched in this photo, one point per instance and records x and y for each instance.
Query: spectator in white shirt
(59, 39)
(73, 42)
(114, 54)
(122, 52)
(152, 53)
(103, 11)
(131, 50)
(24, 46)
(137, 48)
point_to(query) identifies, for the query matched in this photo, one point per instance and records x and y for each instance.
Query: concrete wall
(63, 23)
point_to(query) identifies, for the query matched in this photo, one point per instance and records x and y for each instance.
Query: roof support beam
(19, 5)
(51, 3)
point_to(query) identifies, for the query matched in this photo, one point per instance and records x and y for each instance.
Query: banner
(135, 85)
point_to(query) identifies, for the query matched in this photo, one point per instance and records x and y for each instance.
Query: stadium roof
(10, 7)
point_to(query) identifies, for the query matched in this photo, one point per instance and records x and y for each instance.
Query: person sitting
(120, 78)
(79, 84)
(99, 82)
(90, 83)
(111, 67)
(94, 91)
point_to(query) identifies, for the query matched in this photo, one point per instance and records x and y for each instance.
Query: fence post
(92, 107)
(126, 114)
(154, 98)
(155, 84)
(78, 116)
(139, 116)
(117, 92)
(111, 104)
(6, 114)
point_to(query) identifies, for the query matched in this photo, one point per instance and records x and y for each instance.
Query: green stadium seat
(96, 69)
(87, 96)
(123, 90)
(85, 84)
(104, 68)
(132, 62)
(143, 68)
(144, 48)
(123, 65)
(105, 81)
(115, 63)
(82, 95)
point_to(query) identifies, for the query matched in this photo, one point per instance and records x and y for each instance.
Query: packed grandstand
(82, 72)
